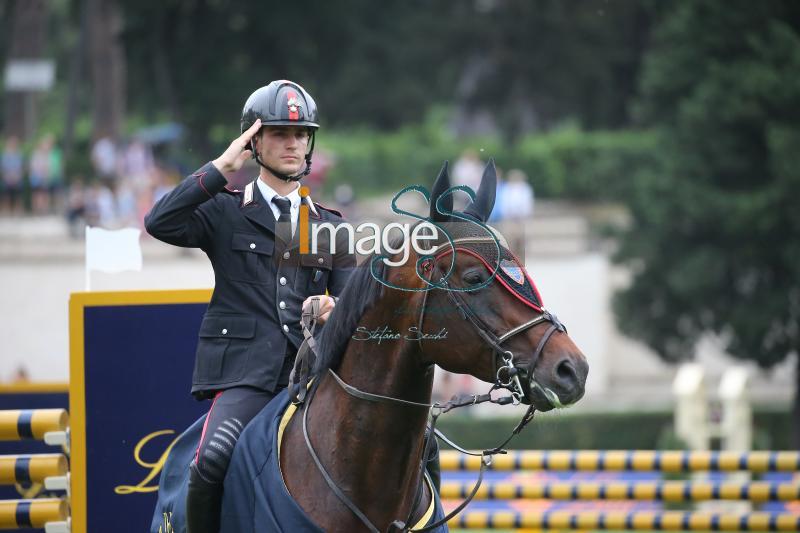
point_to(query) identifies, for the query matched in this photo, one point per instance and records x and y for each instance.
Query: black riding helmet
(282, 103)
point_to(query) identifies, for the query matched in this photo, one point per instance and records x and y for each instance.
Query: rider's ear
(441, 184)
(482, 207)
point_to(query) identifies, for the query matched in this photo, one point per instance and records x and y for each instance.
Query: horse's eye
(473, 277)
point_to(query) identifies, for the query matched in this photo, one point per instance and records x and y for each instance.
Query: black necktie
(283, 229)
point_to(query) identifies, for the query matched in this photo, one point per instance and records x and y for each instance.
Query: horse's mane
(360, 293)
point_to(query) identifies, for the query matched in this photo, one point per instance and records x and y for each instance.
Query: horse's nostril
(566, 373)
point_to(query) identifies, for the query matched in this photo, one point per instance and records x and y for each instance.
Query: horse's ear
(441, 184)
(482, 207)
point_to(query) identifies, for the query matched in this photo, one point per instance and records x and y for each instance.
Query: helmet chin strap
(281, 175)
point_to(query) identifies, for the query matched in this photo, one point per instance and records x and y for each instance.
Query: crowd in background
(41, 172)
(125, 180)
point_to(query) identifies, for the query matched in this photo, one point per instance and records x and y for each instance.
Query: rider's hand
(238, 152)
(326, 305)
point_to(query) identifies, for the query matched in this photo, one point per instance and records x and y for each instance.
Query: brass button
(282, 305)
(320, 260)
(286, 328)
(286, 255)
(224, 331)
(252, 245)
(282, 281)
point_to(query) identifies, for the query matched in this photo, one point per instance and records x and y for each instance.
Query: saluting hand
(238, 152)
(326, 305)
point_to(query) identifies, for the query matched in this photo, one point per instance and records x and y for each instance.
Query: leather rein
(507, 374)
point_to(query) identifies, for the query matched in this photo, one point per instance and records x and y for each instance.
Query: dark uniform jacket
(253, 319)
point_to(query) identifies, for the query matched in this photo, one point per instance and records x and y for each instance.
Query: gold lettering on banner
(155, 468)
(166, 525)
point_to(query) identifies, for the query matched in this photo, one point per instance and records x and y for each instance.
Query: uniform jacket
(253, 319)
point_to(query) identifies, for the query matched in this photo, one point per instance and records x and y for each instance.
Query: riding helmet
(281, 103)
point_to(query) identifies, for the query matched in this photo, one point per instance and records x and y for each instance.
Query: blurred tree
(714, 241)
(107, 67)
(197, 61)
(531, 64)
(386, 65)
(28, 24)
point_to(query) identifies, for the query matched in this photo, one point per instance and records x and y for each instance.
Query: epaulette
(230, 189)
(329, 209)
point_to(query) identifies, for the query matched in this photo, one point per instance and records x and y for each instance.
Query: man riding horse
(251, 331)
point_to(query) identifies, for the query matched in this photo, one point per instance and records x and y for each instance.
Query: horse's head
(497, 327)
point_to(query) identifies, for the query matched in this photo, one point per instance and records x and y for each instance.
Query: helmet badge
(294, 105)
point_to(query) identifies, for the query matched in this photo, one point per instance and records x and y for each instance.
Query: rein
(507, 376)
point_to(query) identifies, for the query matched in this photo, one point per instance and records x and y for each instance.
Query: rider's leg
(231, 411)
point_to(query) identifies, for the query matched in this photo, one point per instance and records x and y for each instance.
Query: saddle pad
(255, 497)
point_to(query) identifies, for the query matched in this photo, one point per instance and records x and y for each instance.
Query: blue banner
(130, 381)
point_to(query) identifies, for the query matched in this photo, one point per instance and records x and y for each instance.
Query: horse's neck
(370, 439)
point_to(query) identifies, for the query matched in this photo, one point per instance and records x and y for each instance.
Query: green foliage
(566, 162)
(598, 165)
(714, 240)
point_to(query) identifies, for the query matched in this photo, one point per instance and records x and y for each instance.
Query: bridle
(507, 374)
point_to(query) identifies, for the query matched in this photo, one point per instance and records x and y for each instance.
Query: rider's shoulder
(232, 190)
(328, 213)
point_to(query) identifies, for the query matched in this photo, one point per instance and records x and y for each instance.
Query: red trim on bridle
(538, 308)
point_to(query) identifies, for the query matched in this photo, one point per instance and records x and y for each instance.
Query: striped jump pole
(643, 520)
(668, 491)
(18, 514)
(31, 468)
(32, 424)
(629, 460)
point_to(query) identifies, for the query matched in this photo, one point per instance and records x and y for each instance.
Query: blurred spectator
(100, 206)
(44, 174)
(127, 213)
(323, 162)
(468, 170)
(498, 212)
(516, 206)
(12, 169)
(55, 176)
(21, 375)
(104, 159)
(517, 196)
(76, 207)
(134, 194)
(137, 163)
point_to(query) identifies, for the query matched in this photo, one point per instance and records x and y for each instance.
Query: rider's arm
(184, 216)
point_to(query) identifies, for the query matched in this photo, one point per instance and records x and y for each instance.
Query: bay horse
(350, 461)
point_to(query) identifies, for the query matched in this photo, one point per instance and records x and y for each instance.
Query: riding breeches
(230, 412)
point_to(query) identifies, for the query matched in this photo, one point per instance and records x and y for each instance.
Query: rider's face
(283, 147)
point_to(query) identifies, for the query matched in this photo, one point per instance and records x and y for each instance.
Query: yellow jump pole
(670, 491)
(643, 520)
(18, 514)
(31, 468)
(31, 423)
(630, 460)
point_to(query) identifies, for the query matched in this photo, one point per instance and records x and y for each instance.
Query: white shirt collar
(269, 193)
(294, 197)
